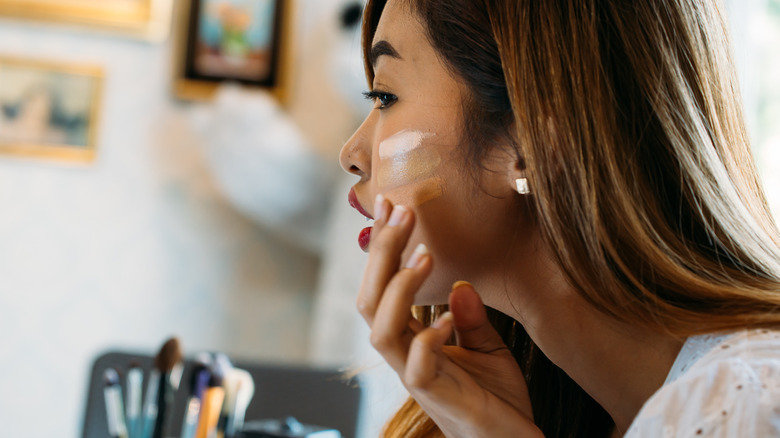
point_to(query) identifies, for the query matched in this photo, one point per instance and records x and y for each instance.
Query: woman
(584, 165)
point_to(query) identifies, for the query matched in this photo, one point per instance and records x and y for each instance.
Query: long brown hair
(627, 117)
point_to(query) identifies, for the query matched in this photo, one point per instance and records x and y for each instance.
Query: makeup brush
(212, 404)
(222, 361)
(134, 381)
(230, 384)
(115, 412)
(198, 383)
(168, 355)
(150, 404)
(245, 390)
(168, 364)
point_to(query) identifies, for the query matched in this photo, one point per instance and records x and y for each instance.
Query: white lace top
(719, 386)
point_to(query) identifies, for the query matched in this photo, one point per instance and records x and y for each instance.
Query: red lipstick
(353, 201)
(365, 234)
(364, 238)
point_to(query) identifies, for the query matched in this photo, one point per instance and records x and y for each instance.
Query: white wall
(135, 247)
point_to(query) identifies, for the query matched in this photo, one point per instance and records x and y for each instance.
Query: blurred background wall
(141, 244)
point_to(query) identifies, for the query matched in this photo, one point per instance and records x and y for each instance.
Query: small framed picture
(49, 110)
(145, 19)
(239, 41)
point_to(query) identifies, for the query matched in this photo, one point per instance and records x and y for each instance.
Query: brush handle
(244, 394)
(150, 404)
(115, 412)
(209, 415)
(164, 393)
(190, 424)
(135, 377)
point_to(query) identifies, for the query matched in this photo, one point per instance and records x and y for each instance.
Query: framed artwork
(147, 19)
(240, 41)
(49, 110)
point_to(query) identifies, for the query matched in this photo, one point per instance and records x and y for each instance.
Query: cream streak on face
(407, 171)
(401, 142)
(403, 161)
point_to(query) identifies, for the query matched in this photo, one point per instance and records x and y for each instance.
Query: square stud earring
(522, 186)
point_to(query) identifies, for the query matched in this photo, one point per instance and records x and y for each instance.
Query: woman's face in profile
(409, 150)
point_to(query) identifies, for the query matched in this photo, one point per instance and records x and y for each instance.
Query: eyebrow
(382, 48)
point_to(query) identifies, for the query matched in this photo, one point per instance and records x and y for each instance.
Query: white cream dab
(401, 143)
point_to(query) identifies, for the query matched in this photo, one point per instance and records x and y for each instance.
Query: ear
(506, 162)
(517, 177)
(517, 171)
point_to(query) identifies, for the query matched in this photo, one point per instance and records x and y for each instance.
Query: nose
(355, 156)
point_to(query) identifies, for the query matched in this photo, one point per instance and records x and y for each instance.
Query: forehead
(400, 27)
(417, 60)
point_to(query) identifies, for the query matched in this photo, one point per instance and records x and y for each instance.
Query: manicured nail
(460, 283)
(417, 256)
(379, 207)
(399, 213)
(445, 318)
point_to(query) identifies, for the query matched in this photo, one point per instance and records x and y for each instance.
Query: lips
(353, 201)
(364, 238)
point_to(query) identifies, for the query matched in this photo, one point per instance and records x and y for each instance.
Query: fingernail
(399, 213)
(460, 283)
(379, 207)
(417, 256)
(445, 318)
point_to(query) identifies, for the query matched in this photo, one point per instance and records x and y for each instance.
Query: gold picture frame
(49, 110)
(199, 81)
(145, 19)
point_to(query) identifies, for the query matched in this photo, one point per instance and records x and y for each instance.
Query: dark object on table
(285, 428)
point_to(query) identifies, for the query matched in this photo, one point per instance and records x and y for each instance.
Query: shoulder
(732, 390)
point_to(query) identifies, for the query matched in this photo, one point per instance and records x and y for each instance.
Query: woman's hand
(475, 389)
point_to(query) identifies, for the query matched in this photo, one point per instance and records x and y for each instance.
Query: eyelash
(385, 100)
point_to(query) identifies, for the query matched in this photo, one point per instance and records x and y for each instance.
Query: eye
(382, 99)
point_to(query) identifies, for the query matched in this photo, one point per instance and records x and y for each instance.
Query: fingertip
(416, 326)
(419, 254)
(425, 264)
(380, 207)
(422, 363)
(445, 319)
(466, 305)
(444, 327)
(400, 215)
(463, 295)
(461, 283)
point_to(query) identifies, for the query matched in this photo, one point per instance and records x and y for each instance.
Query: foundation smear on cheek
(408, 171)
(418, 194)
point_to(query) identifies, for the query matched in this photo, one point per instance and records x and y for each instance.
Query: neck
(619, 365)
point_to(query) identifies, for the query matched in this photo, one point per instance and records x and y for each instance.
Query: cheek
(408, 169)
(411, 178)
(417, 194)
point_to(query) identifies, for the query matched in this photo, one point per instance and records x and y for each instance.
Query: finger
(424, 360)
(393, 326)
(472, 327)
(416, 326)
(388, 241)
